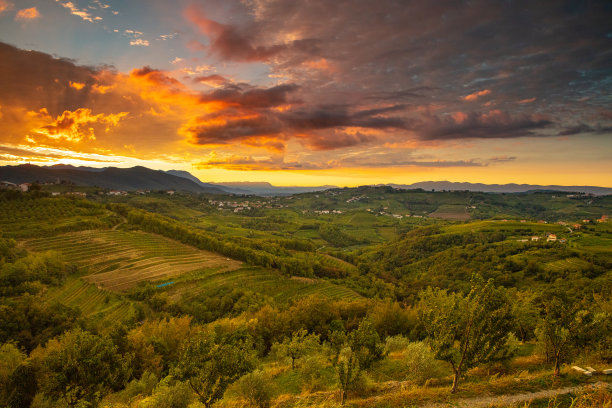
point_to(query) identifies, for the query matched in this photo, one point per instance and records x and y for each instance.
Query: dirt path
(123, 221)
(511, 399)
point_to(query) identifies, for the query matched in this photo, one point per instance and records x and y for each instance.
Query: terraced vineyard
(93, 303)
(119, 260)
(30, 217)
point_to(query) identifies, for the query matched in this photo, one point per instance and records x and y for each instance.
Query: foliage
(81, 367)
(421, 362)
(467, 330)
(348, 370)
(255, 387)
(366, 344)
(300, 344)
(209, 367)
(169, 394)
(563, 328)
(10, 358)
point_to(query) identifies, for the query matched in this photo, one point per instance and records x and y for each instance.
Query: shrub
(255, 387)
(421, 362)
(396, 343)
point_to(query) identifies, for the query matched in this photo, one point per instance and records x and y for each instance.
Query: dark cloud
(489, 125)
(532, 59)
(35, 80)
(584, 128)
(252, 97)
(501, 159)
(235, 44)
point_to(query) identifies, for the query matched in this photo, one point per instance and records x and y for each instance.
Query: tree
(81, 366)
(563, 328)
(366, 344)
(22, 386)
(467, 330)
(337, 341)
(525, 314)
(10, 358)
(300, 344)
(210, 367)
(348, 372)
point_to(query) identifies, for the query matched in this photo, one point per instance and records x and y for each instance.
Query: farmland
(148, 273)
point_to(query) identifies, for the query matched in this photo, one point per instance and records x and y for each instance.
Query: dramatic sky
(343, 92)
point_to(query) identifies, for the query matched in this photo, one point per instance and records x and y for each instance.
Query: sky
(317, 92)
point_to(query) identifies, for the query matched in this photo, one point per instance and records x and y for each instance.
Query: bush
(396, 343)
(255, 387)
(421, 363)
(169, 394)
(315, 374)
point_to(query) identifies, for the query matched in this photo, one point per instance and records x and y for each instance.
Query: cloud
(528, 100)
(501, 159)
(140, 42)
(24, 153)
(75, 11)
(27, 14)
(77, 85)
(230, 43)
(76, 126)
(476, 95)
(490, 125)
(276, 163)
(6, 5)
(584, 128)
(211, 80)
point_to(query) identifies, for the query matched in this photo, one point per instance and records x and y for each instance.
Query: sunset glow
(315, 93)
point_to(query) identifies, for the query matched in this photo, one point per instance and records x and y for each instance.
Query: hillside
(292, 289)
(131, 179)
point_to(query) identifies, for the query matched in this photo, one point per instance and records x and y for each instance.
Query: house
(535, 238)
(604, 218)
(551, 238)
(7, 185)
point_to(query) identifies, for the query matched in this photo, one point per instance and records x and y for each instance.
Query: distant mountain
(135, 178)
(187, 175)
(267, 189)
(501, 188)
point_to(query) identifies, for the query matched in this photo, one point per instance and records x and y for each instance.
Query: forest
(357, 297)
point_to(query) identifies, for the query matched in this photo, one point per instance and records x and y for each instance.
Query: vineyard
(120, 260)
(28, 216)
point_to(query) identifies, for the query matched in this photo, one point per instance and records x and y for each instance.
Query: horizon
(515, 93)
(330, 185)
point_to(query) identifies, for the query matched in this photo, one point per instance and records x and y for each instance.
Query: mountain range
(142, 178)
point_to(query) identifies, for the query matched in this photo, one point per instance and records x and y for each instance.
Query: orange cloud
(77, 85)
(459, 117)
(77, 125)
(476, 95)
(527, 100)
(5, 5)
(27, 14)
(321, 64)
